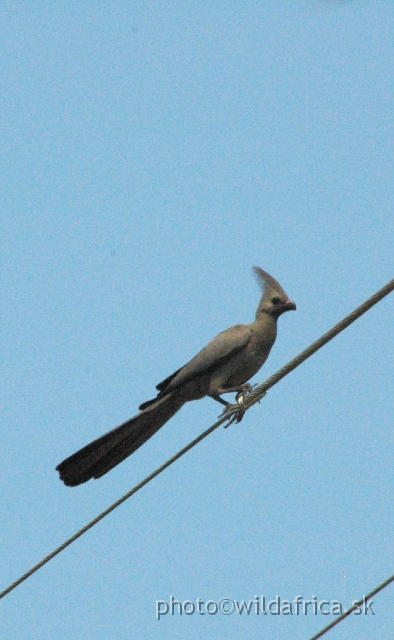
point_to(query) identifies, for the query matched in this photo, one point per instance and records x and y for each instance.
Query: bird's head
(275, 300)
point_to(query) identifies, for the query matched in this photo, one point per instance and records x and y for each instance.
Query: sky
(150, 154)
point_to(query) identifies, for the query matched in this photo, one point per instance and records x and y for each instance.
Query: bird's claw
(240, 397)
(240, 400)
(237, 415)
(240, 405)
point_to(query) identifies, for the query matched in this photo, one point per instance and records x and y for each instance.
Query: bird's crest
(267, 282)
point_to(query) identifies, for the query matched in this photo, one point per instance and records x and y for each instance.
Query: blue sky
(151, 154)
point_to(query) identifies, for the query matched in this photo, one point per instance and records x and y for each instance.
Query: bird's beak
(290, 305)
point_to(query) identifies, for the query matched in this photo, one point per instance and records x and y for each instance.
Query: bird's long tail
(101, 455)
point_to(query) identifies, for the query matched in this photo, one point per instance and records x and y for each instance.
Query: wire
(233, 414)
(257, 393)
(113, 506)
(357, 605)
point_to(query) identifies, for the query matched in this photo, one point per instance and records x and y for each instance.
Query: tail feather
(162, 385)
(101, 455)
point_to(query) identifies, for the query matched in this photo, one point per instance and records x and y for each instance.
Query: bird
(223, 366)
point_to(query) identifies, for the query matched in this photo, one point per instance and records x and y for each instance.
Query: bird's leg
(242, 390)
(219, 399)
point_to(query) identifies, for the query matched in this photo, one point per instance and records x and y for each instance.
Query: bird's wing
(219, 349)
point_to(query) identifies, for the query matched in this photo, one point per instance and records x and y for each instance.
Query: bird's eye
(275, 300)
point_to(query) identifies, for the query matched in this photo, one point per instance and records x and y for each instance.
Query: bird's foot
(243, 391)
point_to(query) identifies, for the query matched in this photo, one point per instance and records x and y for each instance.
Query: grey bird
(223, 366)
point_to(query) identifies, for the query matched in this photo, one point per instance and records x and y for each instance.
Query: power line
(114, 506)
(254, 396)
(257, 393)
(357, 605)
